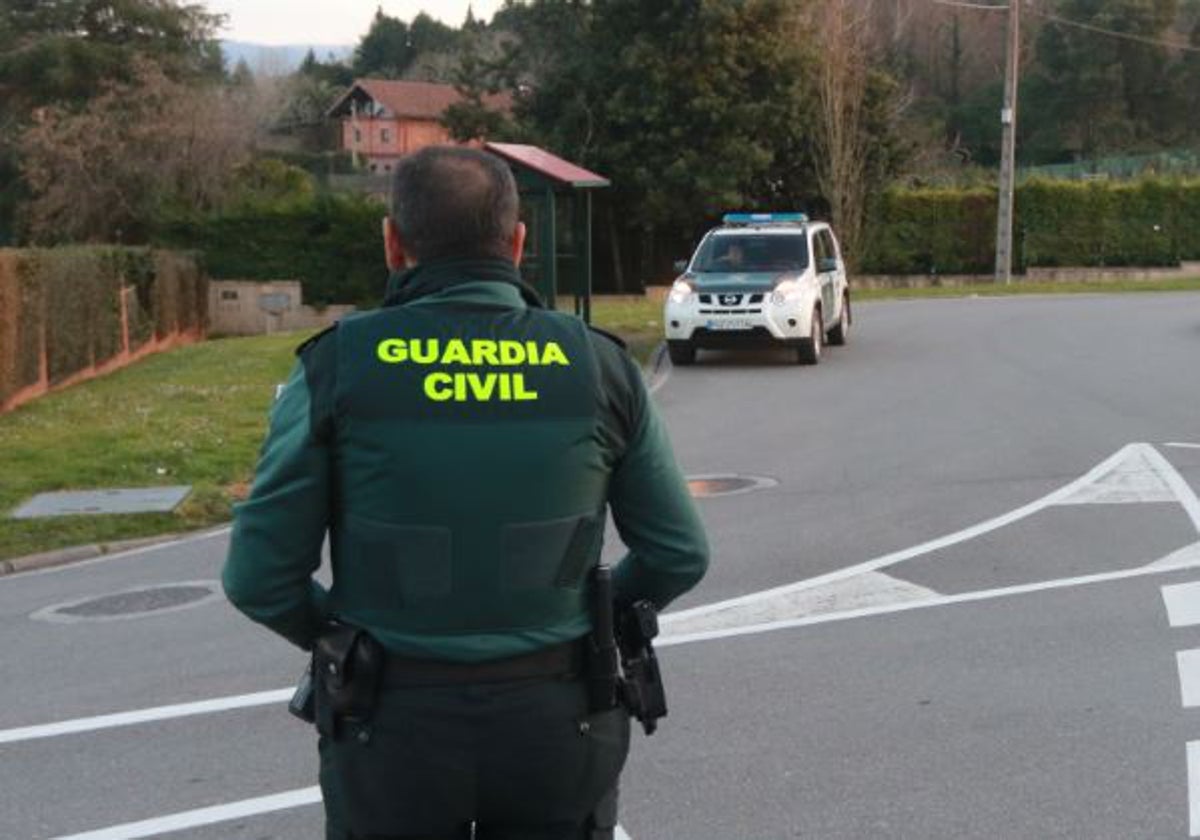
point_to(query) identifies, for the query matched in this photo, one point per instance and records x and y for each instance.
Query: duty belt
(560, 660)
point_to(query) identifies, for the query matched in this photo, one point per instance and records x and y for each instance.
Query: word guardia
(443, 386)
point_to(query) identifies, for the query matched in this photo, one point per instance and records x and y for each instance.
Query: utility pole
(1008, 146)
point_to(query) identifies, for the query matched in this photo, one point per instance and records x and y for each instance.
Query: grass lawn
(194, 416)
(191, 416)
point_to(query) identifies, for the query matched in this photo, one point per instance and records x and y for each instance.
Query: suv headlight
(787, 291)
(681, 291)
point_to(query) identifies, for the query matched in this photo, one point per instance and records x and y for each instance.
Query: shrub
(1148, 222)
(331, 244)
(61, 308)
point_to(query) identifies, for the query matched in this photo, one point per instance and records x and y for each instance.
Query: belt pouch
(348, 667)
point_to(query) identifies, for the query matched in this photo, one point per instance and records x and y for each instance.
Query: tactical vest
(471, 478)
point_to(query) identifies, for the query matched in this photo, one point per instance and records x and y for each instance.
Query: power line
(962, 5)
(1112, 33)
(1062, 21)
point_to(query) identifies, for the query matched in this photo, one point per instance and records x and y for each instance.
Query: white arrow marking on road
(1144, 452)
(217, 814)
(1184, 493)
(941, 601)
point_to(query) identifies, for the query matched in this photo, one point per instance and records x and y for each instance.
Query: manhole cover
(708, 486)
(133, 603)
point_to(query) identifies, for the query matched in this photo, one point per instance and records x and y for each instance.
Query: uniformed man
(460, 447)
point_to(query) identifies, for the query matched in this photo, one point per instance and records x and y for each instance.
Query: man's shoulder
(606, 335)
(312, 341)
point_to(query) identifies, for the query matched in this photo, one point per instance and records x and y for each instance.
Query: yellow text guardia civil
(444, 386)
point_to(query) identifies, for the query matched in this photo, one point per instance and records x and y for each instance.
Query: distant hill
(271, 60)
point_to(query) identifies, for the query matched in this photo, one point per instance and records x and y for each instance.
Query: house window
(385, 134)
(358, 135)
(229, 294)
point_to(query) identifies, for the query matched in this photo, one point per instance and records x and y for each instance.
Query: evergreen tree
(1105, 94)
(386, 50)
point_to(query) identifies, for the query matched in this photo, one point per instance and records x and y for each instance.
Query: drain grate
(710, 486)
(133, 603)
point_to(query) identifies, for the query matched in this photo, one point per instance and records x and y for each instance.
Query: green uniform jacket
(460, 447)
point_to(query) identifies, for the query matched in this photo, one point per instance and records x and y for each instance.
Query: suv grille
(733, 303)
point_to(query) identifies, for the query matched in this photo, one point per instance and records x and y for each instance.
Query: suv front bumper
(707, 325)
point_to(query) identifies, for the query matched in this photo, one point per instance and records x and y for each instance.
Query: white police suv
(760, 278)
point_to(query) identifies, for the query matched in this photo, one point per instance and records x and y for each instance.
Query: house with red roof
(383, 120)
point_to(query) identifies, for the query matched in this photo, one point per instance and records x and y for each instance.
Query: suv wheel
(808, 352)
(681, 352)
(841, 331)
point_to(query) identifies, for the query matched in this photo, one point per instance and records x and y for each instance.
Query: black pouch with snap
(348, 670)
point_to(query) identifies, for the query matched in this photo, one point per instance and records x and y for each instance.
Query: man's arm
(278, 532)
(653, 511)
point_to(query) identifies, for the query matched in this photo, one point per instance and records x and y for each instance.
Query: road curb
(78, 553)
(658, 368)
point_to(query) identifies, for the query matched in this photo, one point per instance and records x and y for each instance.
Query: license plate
(731, 324)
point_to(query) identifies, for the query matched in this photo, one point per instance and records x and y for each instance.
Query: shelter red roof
(545, 163)
(415, 100)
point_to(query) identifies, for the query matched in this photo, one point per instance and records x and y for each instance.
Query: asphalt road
(961, 612)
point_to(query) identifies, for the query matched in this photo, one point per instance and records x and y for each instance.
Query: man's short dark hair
(449, 201)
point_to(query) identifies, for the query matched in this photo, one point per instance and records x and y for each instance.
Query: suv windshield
(752, 253)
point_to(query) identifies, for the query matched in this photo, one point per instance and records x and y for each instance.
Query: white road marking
(1183, 603)
(1193, 763)
(1142, 456)
(1189, 677)
(715, 612)
(870, 589)
(218, 814)
(1135, 479)
(1183, 445)
(1185, 556)
(660, 369)
(120, 555)
(941, 601)
(113, 721)
(892, 559)
(203, 816)
(1183, 491)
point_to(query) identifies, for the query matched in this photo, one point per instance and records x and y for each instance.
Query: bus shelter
(556, 206)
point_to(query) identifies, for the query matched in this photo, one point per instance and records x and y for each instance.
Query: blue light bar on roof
(763, 218)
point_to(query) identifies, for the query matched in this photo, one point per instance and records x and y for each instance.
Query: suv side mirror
(680, 266)
(827, 264)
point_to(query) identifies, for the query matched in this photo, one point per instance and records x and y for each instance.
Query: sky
(330, 21)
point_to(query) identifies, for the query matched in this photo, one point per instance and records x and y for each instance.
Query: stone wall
(252, 307)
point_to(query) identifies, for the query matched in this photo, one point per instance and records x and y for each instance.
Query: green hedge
(1149, 222)
(72, 296)
(331, 244)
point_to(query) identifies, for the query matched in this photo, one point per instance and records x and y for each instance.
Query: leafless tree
(843, 30)
(106, 173)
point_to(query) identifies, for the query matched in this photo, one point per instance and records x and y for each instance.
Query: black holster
(642, 688)
(603, 661)
(347, 672)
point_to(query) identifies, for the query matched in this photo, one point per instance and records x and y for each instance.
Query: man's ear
(393, 246)
(518, 243)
